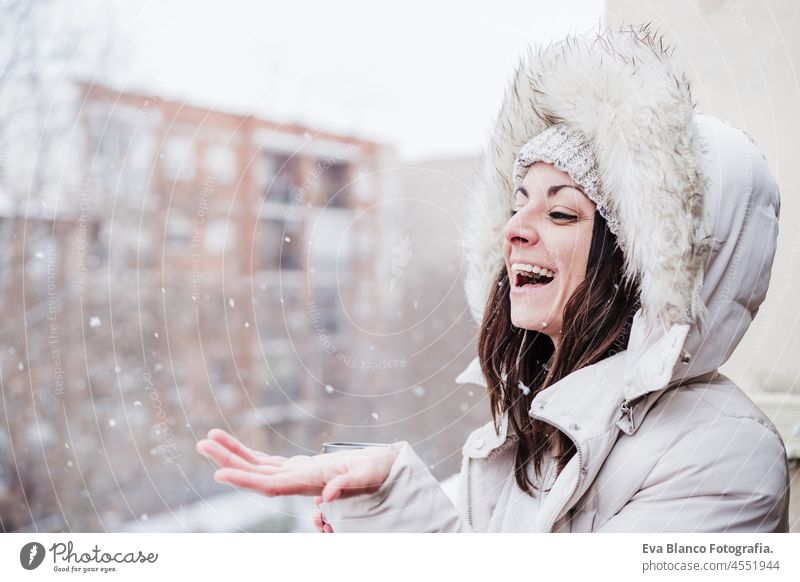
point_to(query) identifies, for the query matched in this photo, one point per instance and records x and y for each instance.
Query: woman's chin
(528, 321)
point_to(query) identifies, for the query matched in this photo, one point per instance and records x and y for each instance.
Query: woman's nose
(518, 232)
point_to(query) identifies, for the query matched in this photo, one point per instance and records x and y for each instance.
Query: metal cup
(336, 446)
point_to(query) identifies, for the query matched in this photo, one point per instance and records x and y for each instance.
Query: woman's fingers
(233, 445)
(270, 485)
(319, 519)
(361, 478)
(222, 456)
(327, 477)
(236, 447)
(318, 523)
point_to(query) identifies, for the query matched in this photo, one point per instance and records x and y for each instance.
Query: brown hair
(596, 324)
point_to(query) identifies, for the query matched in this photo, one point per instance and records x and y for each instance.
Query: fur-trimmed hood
(696, 201)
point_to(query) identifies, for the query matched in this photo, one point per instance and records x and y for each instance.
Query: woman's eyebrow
(551, 191)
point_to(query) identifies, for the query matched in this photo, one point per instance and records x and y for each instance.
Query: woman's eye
(562, 216)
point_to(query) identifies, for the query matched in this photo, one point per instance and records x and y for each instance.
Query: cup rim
(353, 444)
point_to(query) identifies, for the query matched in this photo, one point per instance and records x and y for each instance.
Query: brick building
(210, 270)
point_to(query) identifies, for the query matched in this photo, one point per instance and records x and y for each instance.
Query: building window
(281, 246)
(178, 158)
(97, 242)
(122, 147)
(279, 178)
(327, 305)
(179, 233)
(218, 237)
(364, 187)
(221, 163)
(335, 187)
(331, 242)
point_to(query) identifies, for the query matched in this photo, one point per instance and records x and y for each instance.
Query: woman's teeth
(533, 269)
(526, 274)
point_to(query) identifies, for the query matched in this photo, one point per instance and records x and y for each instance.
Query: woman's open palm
(330, 476)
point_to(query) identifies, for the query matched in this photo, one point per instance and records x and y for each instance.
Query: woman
(619, 248)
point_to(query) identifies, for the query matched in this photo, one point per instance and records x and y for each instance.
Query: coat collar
(612, 392)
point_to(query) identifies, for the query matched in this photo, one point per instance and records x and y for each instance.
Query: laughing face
(546, 247)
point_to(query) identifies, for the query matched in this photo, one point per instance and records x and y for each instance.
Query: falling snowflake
(470, 393)
(137, 402)
(39, 255)
(416, 304)
(287, 239)
(231, 302)
(247, 324)
(419, 391)
(464, 407)
(20, 366)
(94, 321)
(163, 290)
(69, 463)
(112, 423)
(524, 388)
(145, 517)
(375, 415)
(117, 369)
(328, 388)
(155, 334)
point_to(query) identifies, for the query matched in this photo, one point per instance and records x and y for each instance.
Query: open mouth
(530, 275)
(522, 279)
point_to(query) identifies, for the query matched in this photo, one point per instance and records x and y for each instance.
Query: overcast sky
(426, 76)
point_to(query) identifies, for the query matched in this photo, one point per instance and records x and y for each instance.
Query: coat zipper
(579, 454)
(627, 409)
(469, 492)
